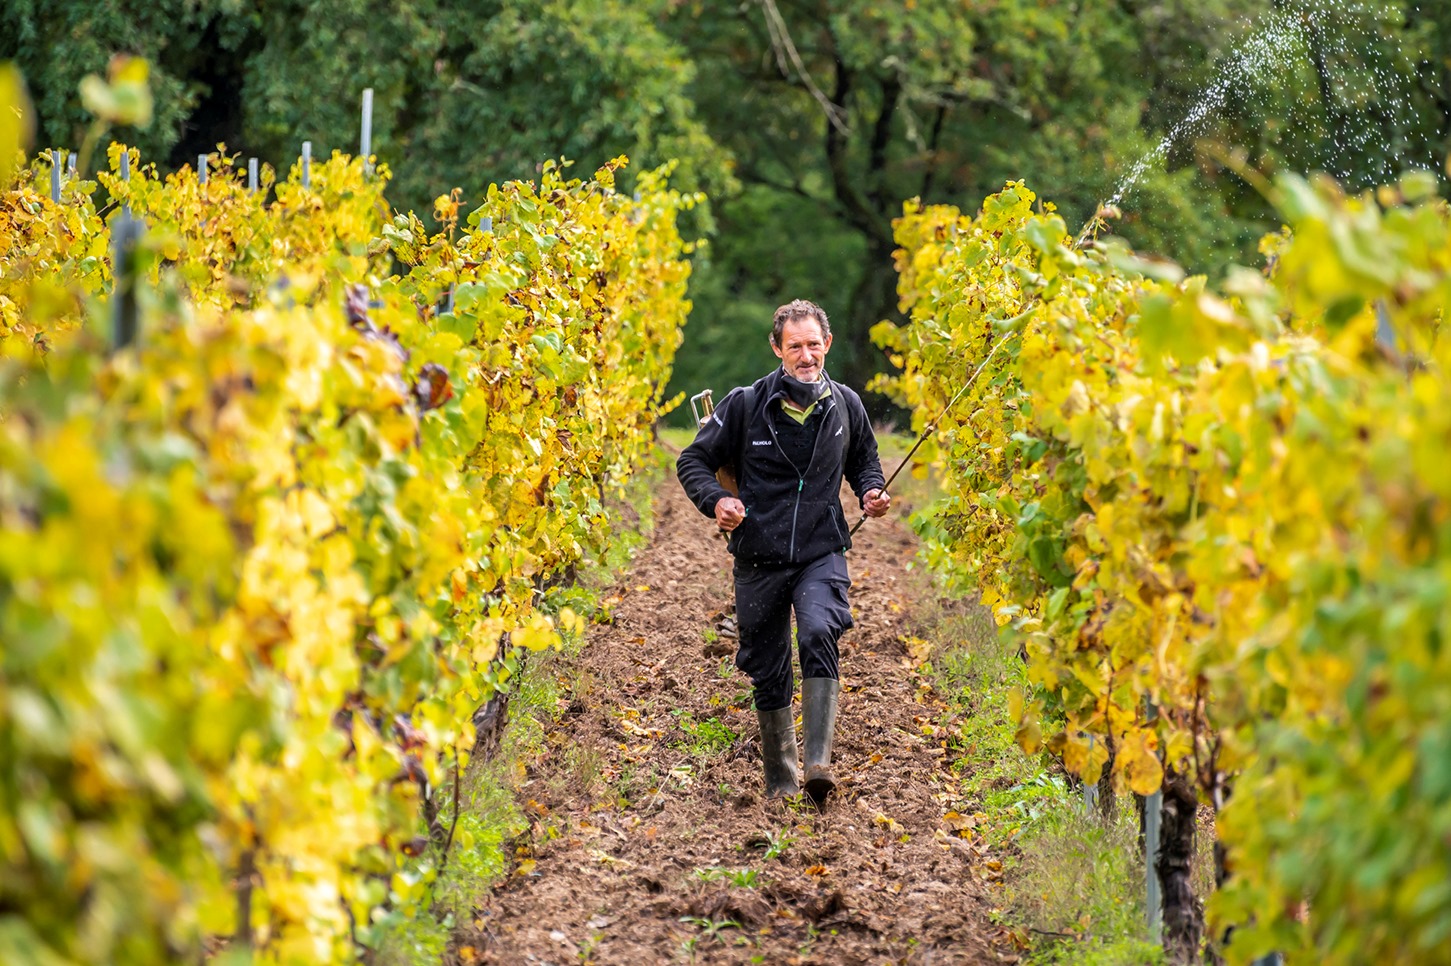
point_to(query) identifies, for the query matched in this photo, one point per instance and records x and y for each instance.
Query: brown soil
(637, 826)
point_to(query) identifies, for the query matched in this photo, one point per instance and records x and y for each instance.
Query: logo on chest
(760, 442)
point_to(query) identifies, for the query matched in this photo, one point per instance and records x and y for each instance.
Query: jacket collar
(776, 389)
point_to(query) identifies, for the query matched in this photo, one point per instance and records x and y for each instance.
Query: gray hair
(794, 312)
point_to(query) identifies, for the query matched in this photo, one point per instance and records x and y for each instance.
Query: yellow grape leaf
(1016, 702)
(1029, 736)
(1085, 755)
(1138, 763)
(126, 98)
(1180, 745)
(382, 551)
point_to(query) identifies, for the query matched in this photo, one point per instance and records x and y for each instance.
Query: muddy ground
(650, 841)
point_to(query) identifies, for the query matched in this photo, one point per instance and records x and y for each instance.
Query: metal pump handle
(702, 406)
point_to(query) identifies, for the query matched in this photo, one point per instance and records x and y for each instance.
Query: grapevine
(1217, 523)
(260, 569)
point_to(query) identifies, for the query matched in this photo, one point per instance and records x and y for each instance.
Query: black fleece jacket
(793, 507)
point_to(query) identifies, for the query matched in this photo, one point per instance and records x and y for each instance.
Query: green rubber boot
(818, 722)
(778, 752)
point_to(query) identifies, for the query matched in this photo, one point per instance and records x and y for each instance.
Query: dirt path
(650, 841)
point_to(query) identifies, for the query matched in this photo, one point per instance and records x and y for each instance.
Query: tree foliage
(466, 94)
(946, 101)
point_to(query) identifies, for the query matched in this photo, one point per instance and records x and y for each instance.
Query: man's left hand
(876, 503)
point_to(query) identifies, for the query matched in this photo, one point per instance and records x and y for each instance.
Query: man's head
(801, 337)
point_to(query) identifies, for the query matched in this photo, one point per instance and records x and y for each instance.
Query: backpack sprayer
(702, 405)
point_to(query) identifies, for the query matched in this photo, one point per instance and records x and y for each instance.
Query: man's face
(803, 349)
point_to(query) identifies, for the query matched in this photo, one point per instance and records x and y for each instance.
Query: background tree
(808, 121)
(837, 111)
(466, 93)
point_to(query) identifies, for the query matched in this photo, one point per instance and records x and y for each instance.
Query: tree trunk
(1183, 917)
(246, 881)
(1140, 811)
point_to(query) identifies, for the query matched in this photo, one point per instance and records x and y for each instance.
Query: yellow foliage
(257, 572)
(1219, 523)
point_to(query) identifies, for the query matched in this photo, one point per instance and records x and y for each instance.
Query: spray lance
(702, 405)
(932, 426)
(1103, 211)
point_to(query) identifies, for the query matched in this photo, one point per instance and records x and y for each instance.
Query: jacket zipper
(800, 477)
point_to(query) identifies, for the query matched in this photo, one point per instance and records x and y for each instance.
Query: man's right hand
(729, 512)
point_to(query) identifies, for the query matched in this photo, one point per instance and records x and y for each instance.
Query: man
(791, 437)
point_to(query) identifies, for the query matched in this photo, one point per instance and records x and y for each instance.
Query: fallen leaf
(817, 869)
(918, 649)
(961, 823)
(886, 822)
(604, 858)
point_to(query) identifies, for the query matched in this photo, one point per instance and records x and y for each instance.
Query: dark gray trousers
(765, 598)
